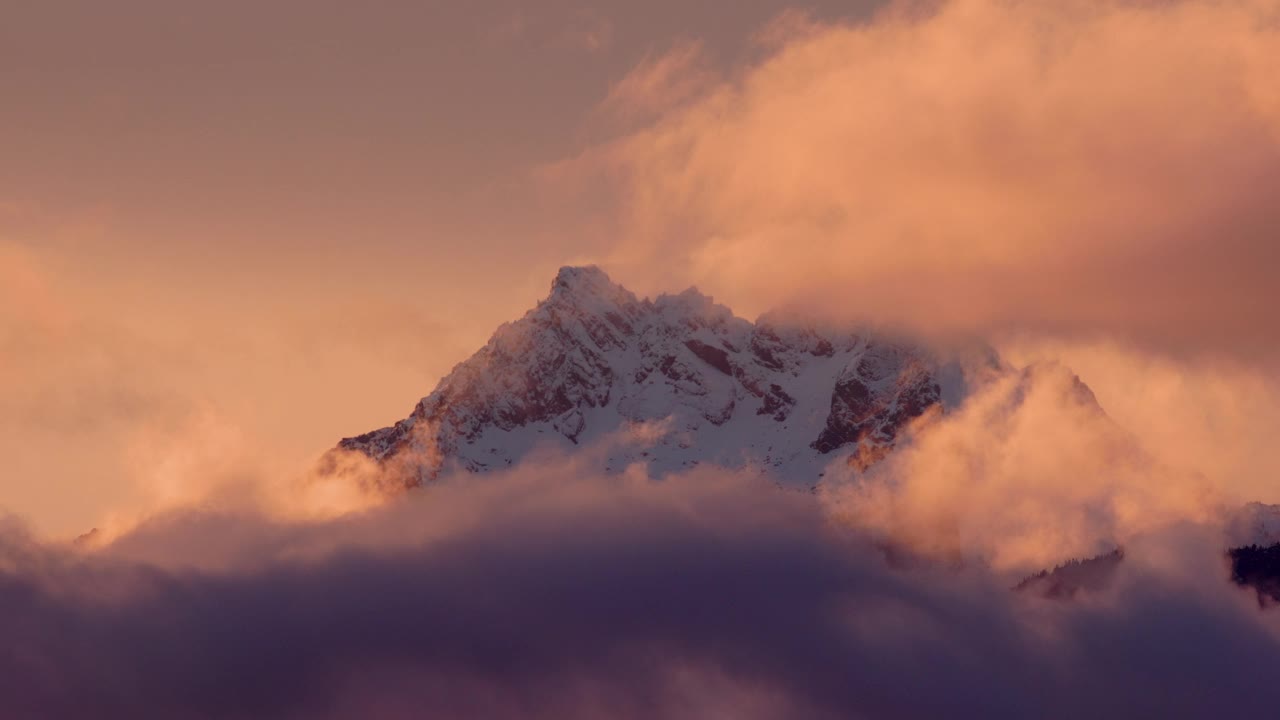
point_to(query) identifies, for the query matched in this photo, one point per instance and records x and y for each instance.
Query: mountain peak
(580, 277)
(586, 286)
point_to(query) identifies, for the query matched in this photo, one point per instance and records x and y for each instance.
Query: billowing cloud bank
(1068, 167)
(544, 594)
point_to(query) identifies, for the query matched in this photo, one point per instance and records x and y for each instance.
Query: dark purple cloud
(675, 600)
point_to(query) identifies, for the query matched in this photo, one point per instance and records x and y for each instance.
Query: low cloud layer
(1071, 168)
(703, 595)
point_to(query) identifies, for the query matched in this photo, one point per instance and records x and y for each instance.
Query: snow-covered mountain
(670, 382)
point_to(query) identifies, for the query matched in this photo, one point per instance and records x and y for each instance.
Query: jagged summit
(587, 284)
(670, 382)
(569, 276)
(589, 290)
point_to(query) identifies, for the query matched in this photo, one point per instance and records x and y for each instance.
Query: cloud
(1029, 472)
(1208, 418)
(549, 594)
(1073, 168)
(123, 410)
(1089, 183)
(660, 82)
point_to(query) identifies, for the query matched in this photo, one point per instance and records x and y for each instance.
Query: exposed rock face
(672, 381)
(873, 398)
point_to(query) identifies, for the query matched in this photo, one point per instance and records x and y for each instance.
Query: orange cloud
(660, 82)
(1073, 167)
(1029, 472)
(1101, 174)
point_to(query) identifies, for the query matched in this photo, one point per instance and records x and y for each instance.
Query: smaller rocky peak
(1054, 377)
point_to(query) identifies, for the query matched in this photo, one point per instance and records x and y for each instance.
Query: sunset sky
(233, 233)
(230, 227)
(280, 223)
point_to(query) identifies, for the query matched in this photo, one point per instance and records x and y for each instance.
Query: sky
(280, 223)
(233, 233)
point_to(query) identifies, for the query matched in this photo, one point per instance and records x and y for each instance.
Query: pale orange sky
(285, 220)
(232, 233)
